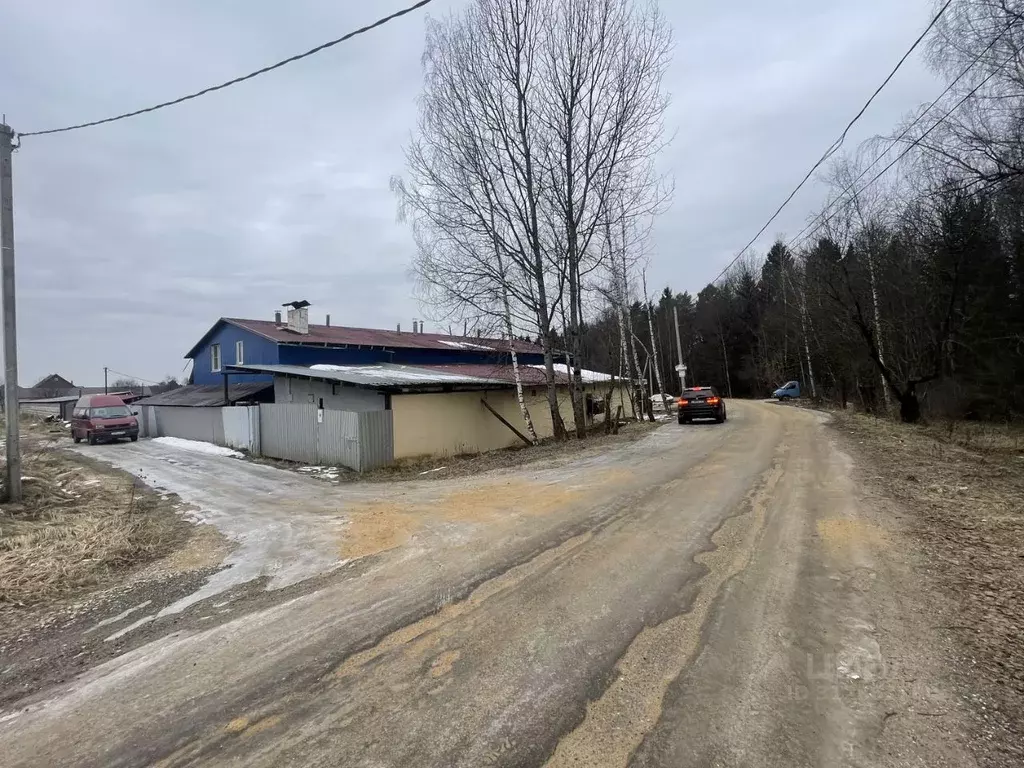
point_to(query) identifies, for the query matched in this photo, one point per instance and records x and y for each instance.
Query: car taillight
(712, 401)
(682, 401)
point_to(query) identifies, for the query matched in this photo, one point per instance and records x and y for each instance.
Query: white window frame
(215, 361)
(239, 353)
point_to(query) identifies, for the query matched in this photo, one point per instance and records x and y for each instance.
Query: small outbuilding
(442, 409)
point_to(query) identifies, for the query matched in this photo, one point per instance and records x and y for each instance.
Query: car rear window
(703, 393)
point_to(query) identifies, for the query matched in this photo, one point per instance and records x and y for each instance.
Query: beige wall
(456, 422)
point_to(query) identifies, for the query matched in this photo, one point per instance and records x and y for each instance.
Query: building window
(215, 357)
(239, 353)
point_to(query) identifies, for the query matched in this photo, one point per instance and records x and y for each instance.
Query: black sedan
(701, 403)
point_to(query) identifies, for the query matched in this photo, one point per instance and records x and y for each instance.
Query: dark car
(103, 418)
(701, 403)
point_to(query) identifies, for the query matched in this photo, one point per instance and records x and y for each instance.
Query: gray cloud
(133, 237)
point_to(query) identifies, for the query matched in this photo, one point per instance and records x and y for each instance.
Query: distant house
(294, 341)
(53, 381)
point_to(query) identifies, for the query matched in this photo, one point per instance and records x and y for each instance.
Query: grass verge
(80, 524)
(962, 493)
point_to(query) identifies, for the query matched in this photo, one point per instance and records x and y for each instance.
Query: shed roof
(383, 376)
(199, 395)
(42, 400)
(389, 376)
(530, 375)
(343, 336)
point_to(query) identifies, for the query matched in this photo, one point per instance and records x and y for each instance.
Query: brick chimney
(298, 318)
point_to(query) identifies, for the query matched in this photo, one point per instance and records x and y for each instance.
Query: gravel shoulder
(956, 494)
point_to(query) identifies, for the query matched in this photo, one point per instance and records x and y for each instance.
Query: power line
(838, 142)
(237, 80)
(921, 138)
(899, 138)
(133, 378)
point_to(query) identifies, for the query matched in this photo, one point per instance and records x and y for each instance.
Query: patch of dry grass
(962, 494)
(78, 524)
(984, 437)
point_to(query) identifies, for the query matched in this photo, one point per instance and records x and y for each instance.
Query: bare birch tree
(473, 186)
(649, 305)
(603, 113)
(535, 113)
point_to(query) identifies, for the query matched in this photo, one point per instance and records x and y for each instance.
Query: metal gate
(302, 432)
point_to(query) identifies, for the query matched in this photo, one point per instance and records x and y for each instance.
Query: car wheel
(90, 438)
(134, 438)
(720, 418)
(75, 437)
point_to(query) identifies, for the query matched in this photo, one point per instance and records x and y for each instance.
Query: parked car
(790, 389)
(701, 403)
(102, 418)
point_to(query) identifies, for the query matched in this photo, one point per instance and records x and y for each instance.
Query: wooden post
(226, 401)
(502, 419)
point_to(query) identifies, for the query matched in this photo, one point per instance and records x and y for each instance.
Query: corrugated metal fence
(301, 432)
(376, 439)
(204, 424)
(292, 431)
(242, 428)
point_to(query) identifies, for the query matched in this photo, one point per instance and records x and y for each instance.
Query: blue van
(790, 389)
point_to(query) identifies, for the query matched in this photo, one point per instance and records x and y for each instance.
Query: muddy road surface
(712, 595)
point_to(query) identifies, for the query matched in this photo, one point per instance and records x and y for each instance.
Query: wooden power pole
(9, 315)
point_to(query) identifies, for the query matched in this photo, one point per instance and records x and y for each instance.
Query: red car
(102, 418)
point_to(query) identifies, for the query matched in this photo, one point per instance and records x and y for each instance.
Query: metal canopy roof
(200, 395)
(387, 376)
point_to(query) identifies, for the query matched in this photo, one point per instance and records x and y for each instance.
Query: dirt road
(709, 596)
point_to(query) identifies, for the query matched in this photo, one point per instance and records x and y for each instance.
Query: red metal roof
(373, 337)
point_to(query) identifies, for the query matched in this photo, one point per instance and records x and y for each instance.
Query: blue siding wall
(260, 351)
(256, 351)
(300, 355)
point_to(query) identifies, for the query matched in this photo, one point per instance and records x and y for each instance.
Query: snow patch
(129, 628)
(465, 345)
(589, 377)
(117, 618)
(321, 473)
(196, 446)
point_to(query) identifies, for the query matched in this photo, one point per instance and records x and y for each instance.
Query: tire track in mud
(616, 723)
(304, 688)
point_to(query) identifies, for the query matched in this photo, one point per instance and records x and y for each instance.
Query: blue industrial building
(234, 341)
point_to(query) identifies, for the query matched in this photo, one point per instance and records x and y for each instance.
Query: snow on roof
(375, 375)
(589, 377)
(465, 345)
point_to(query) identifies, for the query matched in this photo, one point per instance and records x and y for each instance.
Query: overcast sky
(134, 237)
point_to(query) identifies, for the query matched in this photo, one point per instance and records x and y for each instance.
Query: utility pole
(10, 319)
(681, 368)
(105, 380)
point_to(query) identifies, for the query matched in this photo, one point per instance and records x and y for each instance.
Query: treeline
(531, 187)
(907, 294)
